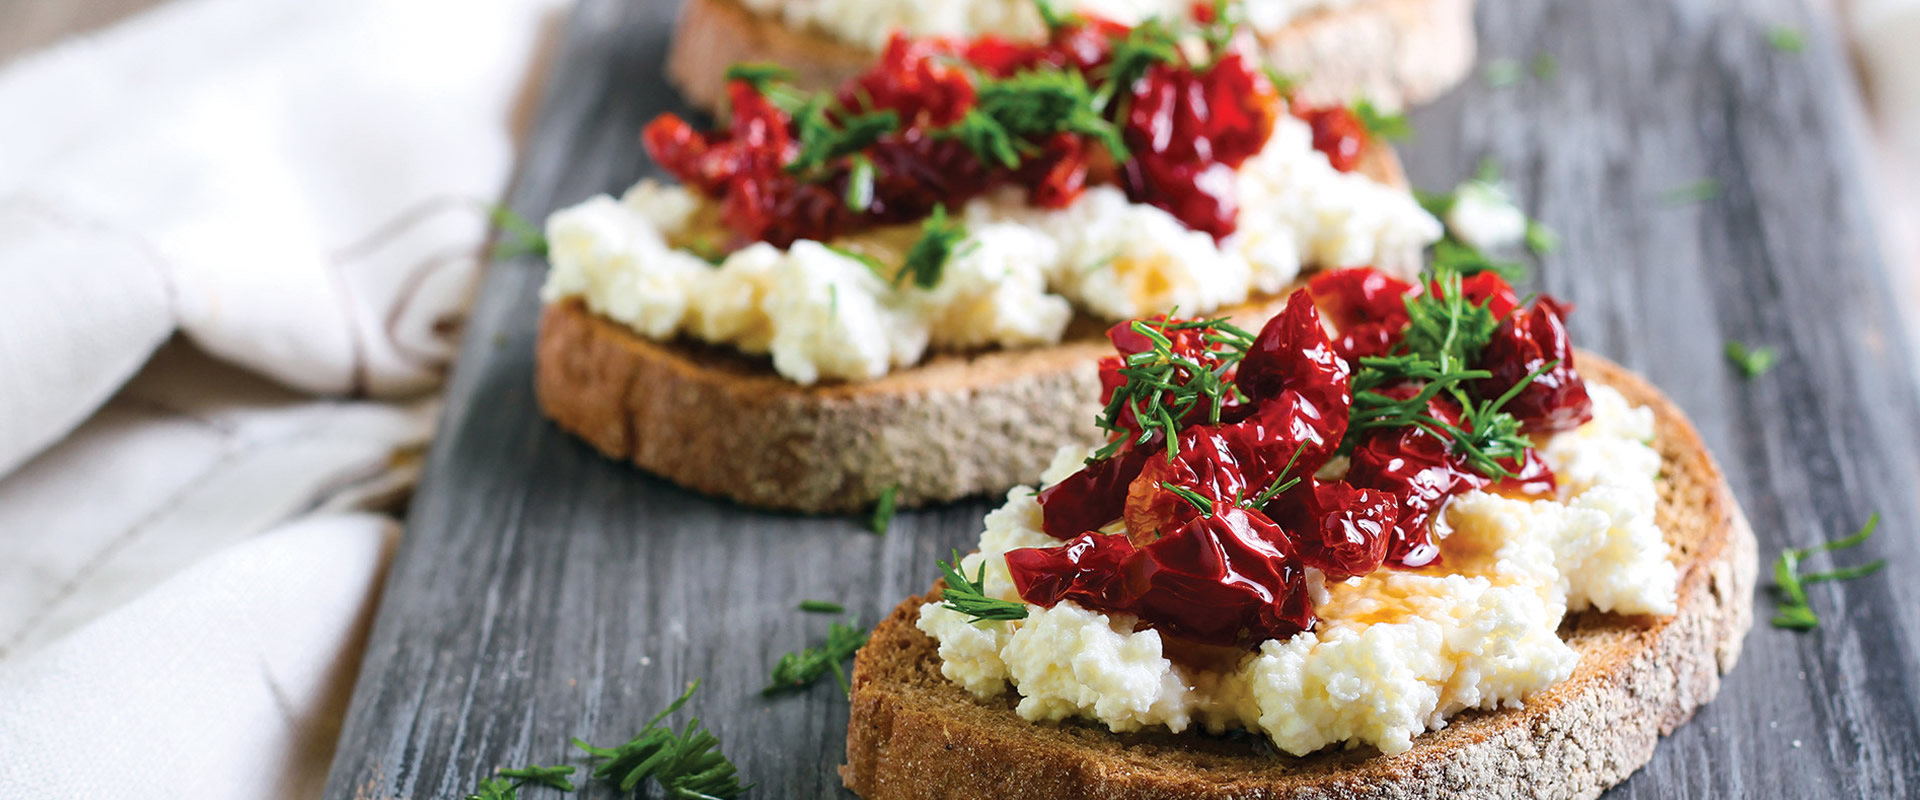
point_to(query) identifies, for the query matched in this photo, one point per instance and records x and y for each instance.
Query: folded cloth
(209, 215)
(228, 681)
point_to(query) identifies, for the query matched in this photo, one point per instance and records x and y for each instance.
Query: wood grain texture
(544, 592)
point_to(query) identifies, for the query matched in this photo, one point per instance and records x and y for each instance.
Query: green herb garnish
(1502, 72)
(1279, 487)
(1199, 501)
(507, 786)
(1698, 191)
(1753, 362)
(1382, 125)
(969, 597)
(795, 671)
(822, 141)
(1541, 240)
(940, 240)
(883, 509)
(1793, 611)
(684, 764)
(822, 607)
(519, 237)
(759, 73)
(1544, 66)
(1163, 388)
(868, 261)
(1053, 16)
(1786, 39)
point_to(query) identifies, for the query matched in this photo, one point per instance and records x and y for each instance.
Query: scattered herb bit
(685, 765)
(1545, 66)
(940, 240)
(518, 236)
(822, 607)
(969, 596)
(868, 261)
(707, 251)
(1053, 16)
(860, 183)
(1277, 488)
(1502, 72)
(1199, 501)
(822, 141)
(550, 777)
(1698, 191)
(883, 509)
(1219, 28)
(1435, 203)
(1787, 39)
(1541, 240)
(1149, 43)
(1752, 362)
(1793, 611)
(797, 671)
(1282, 82)
(1382, 125)
(496, 789)
(759, 73)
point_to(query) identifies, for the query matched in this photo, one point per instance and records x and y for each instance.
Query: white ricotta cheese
(1395, 652)
(1014, 283)
(869, 22)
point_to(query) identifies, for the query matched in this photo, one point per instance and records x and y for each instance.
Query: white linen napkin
(293, 195)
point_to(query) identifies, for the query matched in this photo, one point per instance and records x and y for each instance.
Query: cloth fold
(236, 243)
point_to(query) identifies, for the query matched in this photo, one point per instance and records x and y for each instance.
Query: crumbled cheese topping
(869, 22)
(1395, 652)
(1484, 215)
(824, 314)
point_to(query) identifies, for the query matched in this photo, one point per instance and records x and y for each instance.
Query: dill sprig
(1446, 326)
(1793, 612)
(1380, 124)
(1752, 361)
(1446, 332)
(1149, 43)
(1163, 388)
(969, 597)
(883, 509)
(823, 140)
(940, 241)
(684, 764)
(1199, 501)
(1281, 483)
(822, 607)
(507, 785)
(518, 236)
(860, 175)
(795, 671)
(1010, 113)
(1053, 16)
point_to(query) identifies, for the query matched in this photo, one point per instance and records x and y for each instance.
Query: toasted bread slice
(913, 734)
(1392, 52)
(722, 423)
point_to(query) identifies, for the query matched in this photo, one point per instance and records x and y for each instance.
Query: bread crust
(718, 422)
(913, 735)
(1393, 52)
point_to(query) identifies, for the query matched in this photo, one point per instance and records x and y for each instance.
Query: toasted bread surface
(1393, 52)
(722, 423)
(913, 735)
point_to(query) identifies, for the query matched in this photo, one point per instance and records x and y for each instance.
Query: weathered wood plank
(544, 593)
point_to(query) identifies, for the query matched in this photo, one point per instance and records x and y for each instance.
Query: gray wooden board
(543, 592)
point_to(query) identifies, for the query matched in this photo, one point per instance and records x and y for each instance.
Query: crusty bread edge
(1392, 52)
(1639, 679)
